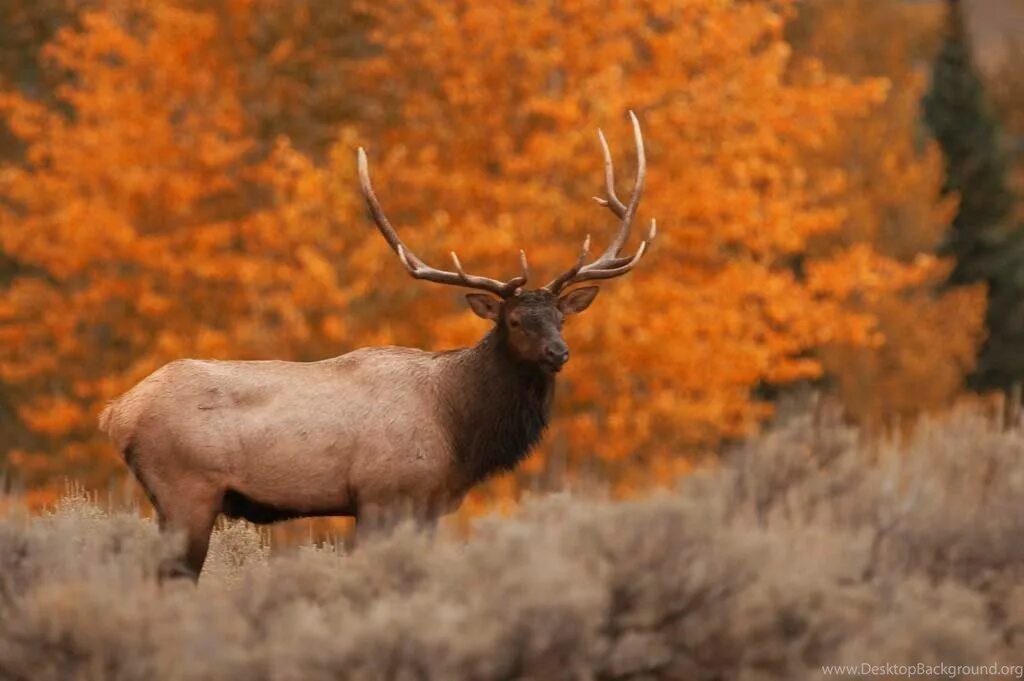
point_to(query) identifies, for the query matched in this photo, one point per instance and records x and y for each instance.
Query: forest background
(835, 185)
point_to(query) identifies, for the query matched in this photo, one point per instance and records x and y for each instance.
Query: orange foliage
(156, 217)
(486, 143)
(147, 229)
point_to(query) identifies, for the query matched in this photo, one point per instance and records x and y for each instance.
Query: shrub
(806, 547)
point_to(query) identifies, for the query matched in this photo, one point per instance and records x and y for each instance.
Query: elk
(370, 432)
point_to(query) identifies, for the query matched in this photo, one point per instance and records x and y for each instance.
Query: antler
(610, 263)
(419, 269)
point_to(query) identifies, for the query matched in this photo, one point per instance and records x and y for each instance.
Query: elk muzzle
(555, 355)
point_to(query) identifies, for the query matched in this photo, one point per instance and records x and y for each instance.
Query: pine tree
(984, 239)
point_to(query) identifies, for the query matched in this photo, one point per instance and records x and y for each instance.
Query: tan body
(298, 436)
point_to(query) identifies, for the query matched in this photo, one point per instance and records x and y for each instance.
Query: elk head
(531, 320)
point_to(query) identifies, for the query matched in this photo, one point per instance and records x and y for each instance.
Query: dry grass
(804, 549)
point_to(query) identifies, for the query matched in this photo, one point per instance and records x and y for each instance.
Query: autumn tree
(894, 201)
(161, 216)
(25, 26)
(294, 63)
(486, 142)
(149, 230)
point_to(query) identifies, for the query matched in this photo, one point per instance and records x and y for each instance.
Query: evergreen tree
(987, 245)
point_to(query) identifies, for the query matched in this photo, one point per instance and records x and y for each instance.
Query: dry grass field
(803, 549)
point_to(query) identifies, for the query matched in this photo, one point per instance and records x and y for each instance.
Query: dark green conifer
(987, 245)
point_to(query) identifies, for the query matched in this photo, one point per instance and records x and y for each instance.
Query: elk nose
(556, 353)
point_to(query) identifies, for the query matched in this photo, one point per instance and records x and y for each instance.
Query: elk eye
(513, 322)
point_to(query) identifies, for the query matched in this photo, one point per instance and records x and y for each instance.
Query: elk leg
(427, 524)
(193, 514)
(429, 517)
(373, 520)
(379, 520)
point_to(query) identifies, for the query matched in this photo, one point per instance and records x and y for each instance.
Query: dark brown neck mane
(499, 406)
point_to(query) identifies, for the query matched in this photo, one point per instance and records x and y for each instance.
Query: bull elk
(371, 431)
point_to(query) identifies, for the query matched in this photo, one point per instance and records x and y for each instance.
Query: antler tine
(625, 213)
(612, 202)
(458, 266)
(619, 266)
(609, 264)
(564, 278)
(525, 265)
(416, 267)
(386, 230)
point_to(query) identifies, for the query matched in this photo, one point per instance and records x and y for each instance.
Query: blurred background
(834, 183)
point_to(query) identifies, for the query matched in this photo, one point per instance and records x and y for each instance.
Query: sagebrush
(805, 548)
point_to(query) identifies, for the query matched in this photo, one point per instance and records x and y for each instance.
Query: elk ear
(484, 305)
(578, 300)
